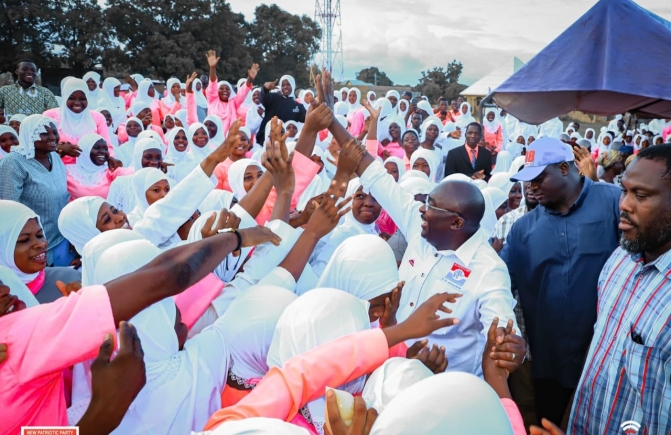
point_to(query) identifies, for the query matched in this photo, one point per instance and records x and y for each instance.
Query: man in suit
(471, 160)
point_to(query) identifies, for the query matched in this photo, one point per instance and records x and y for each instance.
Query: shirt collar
(663, 263)
(469, 151)
(467, 250)
(586, 186)
(33, 86)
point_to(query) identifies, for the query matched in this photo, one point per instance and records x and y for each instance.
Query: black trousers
(553, 401)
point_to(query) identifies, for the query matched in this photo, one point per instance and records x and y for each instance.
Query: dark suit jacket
(459, 162)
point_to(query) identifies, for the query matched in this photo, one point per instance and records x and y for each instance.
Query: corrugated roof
(491, 81)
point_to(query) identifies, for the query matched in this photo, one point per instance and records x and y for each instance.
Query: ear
(564, 168)
(458, 223)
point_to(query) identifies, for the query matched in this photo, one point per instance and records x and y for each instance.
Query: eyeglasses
(427, 205)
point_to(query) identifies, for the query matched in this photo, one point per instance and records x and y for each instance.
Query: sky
(404, 37)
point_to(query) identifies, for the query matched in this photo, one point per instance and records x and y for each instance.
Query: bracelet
(237, 233)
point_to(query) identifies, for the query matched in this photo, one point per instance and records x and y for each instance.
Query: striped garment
(626, 381)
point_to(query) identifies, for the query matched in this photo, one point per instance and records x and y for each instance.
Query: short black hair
(25, 60)
(477, 124)
(443, 99)
(658, 153)
(408, 93)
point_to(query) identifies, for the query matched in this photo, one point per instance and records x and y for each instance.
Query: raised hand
(433, 358)
(258, 235)
(510, 349)
(271, 85)
(318, 118)
(68, 288)
(189, 82)
(280, 167)
(252, 72)
(391, 305)
(226, 219)
(229, 144)
(374, 113)
(362, 421)
(350, 156)
(131, 81)
(68, 149)
(327, 215)
(165, 166)
(212, 58)
(324, 86)
(115, 383)
(113, 164)
(584, 162)
(493, 374)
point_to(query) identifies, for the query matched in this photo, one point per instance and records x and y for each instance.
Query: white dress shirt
(474, 270)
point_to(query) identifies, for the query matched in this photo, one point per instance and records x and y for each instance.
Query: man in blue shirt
(554, 256)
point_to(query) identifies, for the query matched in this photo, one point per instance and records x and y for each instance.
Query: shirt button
(435, 255)
(412, 304)
(422, 275)
(562, 234)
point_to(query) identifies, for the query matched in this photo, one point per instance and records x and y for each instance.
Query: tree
(80, 34)
(439, 82)
(282, 43)
(375, 76)
(26, 27)
(165, 38)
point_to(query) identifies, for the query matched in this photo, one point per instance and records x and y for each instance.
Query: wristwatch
(234, 231)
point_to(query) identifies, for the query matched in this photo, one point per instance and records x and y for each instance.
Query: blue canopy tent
(619, 62)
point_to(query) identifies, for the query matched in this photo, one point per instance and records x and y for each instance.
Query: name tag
(296, 109)
(457, 276)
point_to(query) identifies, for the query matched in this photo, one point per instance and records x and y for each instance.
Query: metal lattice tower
(330, 56)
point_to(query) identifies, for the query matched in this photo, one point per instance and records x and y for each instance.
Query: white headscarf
(401, 112)
(201, 100)
(117, 105)
(216, 201)
(302, 97)
(250, 325)
(517, 163)
(425, 106)
(357, 104)
(182, 116)
(502, 181)
(7, 129)
(84, 171)
(425, 126)
(400, 164)
(169, 99)
(341, 108)
(17, 287)
(503, 161)
(236, 176)
(195, 153)
(95, 247)
(143, 93)
(430, 157)
(230, 86)
(448, 403)
(75, 124)
(369, 94)
(417, 185)
(31, 128)
(363, 266)
(465, 118)
(314, 319)
(218, 138)
(174, 156)
(291, 81)
(346, 91)
(14, 218)
(491, 126)
(391, 379)
(141, 146)
(393, 93)
(92, 95)
(77, 221)
(494, 197)
(141, 181)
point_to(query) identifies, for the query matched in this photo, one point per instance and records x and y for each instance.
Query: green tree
(374, 75)
(439, 82)
(454, 70)
(282, 43)
(80, 34)
(165, 38)
(26, 27)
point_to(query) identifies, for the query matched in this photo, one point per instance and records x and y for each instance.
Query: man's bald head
(466, 197)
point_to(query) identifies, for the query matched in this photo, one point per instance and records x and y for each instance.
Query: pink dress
(101, 129)
(494, 138)
(165, 110)
(393, 148)
(227, 111)
(666, 133)
(357, 123)
(42, 341)
(77, 190)
(123, 136)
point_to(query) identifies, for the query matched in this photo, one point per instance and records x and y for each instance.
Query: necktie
(474, 158)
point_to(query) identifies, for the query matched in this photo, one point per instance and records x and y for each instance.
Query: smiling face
(26, 72)
(77, 102)
(99, 153)
(7, 141)
(92, 85)
(490, 116)
(30, 253)
(133, 128)
(211, 128)
(48, 140)
(180, 142)
(110, 218)
(175, 88)
(514, 196)
(157, 191)
(422, 165)
(224, 92)
(292, 130)
(286, 88)
(145, 116)
(395, 132)
(200, 138)
(152, 158)
(365, 208)
(256, 97)
(241, 150)
(252, 174)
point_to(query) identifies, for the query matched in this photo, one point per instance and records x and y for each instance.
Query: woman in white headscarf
(355, 116)
(393, 97)
(170, 105)
(178, 147)
(494, 198)
(215, 131)
(307, 96)
(552, 128)
(146, 94)
(149, 185)
(201, 100)
(249, 325)
(492, 131)
(90, 174)
(77, 222)
(403, 109)
(184, 378)
(344, 94)
(242, 175)
(92, 80)
(199, 139)
(503, 162)
(370, 96)
(23, 251)
(8, 139)
(110, 97)
(391, 379)
(314, 319)
(255, 113)
(75, 119)
(426, 161)
(395, 167)
(466, 116)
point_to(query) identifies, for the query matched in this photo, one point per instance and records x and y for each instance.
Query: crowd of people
(233, 259)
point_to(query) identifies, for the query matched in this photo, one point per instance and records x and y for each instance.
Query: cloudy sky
(404, 37)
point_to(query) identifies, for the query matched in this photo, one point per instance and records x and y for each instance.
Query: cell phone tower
(330, 56)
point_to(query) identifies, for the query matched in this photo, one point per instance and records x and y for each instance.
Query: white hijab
(95, 247)
(173, 155)
(117, 105)
(201, 100)
(3, 130)
(318, 317)
(141, 181)
(400, 164)
(141, 146)
(196, 154)
(143, 93)
(236, 176)
(77, 221)
(491, 126)
(216, 201)
(93, 96)
(291, 81)
(431, 157)
(218, 138)
(503, 161)
(75, 124)
(250, 325)
(448, 403)
(357, 104)
(494, 197)
(368, 96)
(17, 287)
(182, 116)
(84, 171)
(14, 218)
(393, 93)
(391, 379)
(302, 97)
(502, 181)
(402, 112)
(363, 266)
(465, 118)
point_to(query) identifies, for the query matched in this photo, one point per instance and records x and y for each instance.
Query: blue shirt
(554, 261)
